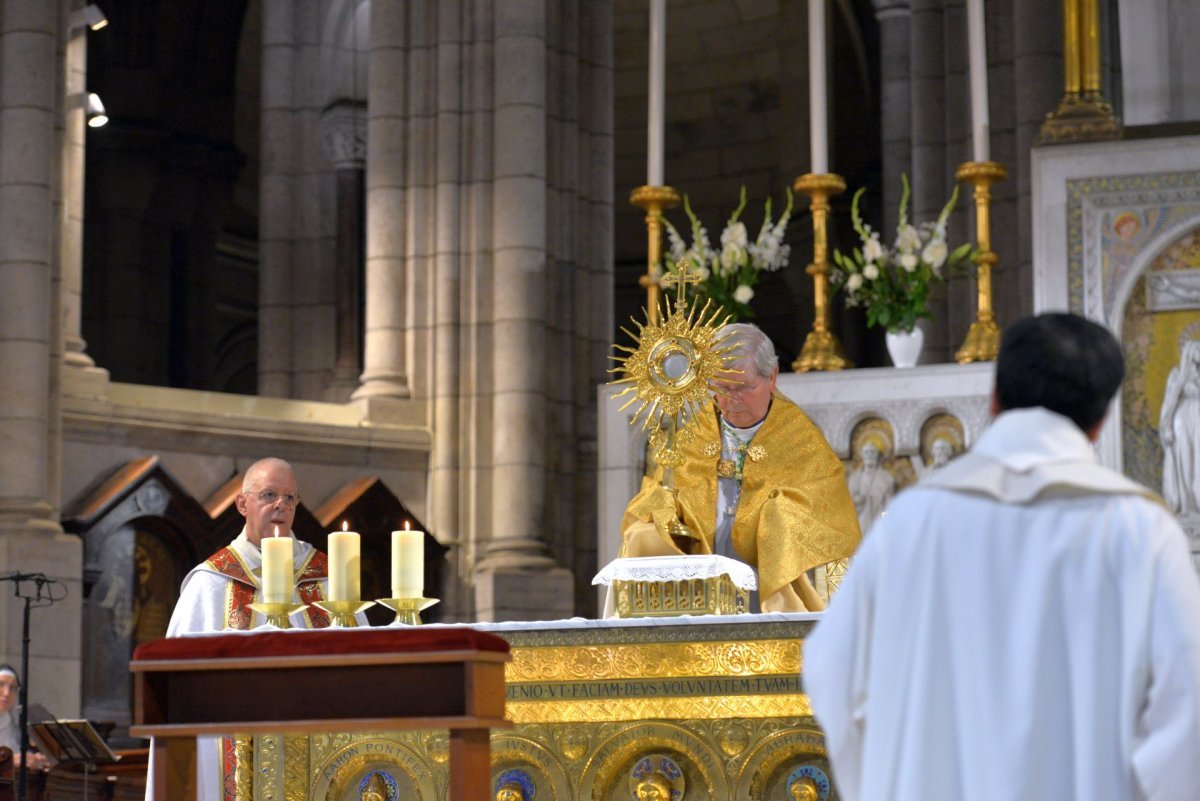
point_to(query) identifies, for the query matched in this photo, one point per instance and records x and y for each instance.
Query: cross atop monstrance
(682, 276)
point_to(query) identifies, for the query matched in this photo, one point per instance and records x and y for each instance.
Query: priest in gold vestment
(758, 483)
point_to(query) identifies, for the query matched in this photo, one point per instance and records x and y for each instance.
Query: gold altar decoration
(822, 350)
(717, 595)
(668, 374)
(983, 338)
(1082, 115)
(653, 200)
(408, 610)
(277, 614)
(720, 703)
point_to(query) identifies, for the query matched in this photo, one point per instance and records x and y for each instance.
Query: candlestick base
(341, 613)
(408, 610)
(277, 614)
(982, 343)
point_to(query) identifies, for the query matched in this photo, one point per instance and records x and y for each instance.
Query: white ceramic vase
(905, 348)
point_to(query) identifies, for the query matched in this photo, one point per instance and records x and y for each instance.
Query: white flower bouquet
(893, 283)
(728, 275)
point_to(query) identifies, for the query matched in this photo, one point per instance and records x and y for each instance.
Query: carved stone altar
(715, 704)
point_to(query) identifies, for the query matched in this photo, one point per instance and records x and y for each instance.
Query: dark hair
(1062, 362)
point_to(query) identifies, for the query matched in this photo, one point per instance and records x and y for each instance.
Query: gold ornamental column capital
(983, 338)
(653, 200)
(822, 350)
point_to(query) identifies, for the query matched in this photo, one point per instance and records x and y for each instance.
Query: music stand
(68, 741)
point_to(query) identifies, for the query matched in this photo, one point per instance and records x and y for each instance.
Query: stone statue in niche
(1179, 431)
(941, 441)
(941, 451)
(871, 485)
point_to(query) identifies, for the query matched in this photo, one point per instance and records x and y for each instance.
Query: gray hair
(755, 353)
(253, 470)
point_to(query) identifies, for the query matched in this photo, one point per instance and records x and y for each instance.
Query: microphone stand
(42, 583)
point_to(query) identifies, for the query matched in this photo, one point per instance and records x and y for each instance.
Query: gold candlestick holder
(822, 350)
(277, 614)
(341, 613)
(408, 610)
(654, 200)
(983, 339)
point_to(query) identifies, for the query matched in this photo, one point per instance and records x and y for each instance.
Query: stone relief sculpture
(941, 441)
(1179, 431)
(871, 485)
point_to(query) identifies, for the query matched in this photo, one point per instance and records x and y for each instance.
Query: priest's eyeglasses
(270, 497)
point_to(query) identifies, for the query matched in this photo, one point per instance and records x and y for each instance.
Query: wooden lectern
(291, 682)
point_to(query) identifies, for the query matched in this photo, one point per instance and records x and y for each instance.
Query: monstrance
(668, 374)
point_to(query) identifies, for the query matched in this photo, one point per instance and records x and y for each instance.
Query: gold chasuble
(794, 512)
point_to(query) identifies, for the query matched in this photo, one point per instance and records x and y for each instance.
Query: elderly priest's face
(269, 500)
(744, 398)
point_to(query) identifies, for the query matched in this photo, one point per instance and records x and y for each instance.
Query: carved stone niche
(141, 534)
(370, 508)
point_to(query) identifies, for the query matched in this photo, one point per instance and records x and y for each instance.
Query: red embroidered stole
(243, 586)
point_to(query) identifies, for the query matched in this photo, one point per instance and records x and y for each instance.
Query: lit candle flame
(277, 531)
(406, 527)
(345, 526)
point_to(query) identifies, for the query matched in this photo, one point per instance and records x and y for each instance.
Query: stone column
(344, 134)
(71, 232)
(384, 357)
(276, 249)
(32, 89)
(517, 579)
(895, 101)
(27, 101)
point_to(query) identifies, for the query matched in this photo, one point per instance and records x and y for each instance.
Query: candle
(277, 569)
(657, 102)
(344, 565)
(977, 47)
(817, 81)
(408, 563)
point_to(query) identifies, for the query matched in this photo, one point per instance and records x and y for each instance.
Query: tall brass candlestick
(654, 200)
(821, 350)
(983, 339)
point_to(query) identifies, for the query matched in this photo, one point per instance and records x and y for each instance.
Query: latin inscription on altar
(653, 688)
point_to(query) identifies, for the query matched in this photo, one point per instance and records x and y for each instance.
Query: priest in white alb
(1024, 623)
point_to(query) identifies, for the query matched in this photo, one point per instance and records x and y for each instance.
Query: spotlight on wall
(89, 15)
(96, 115)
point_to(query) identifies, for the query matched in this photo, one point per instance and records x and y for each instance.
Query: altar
(715, 703)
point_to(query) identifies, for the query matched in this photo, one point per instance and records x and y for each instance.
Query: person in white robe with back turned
(1024, 623)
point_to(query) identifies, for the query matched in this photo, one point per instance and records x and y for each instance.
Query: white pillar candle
(818, 105)
(344, 566)
(277, 569)
(977, 47)
(656, 112)
(408, 563)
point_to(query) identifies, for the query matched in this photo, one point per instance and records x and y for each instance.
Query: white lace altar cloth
(677, 568)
